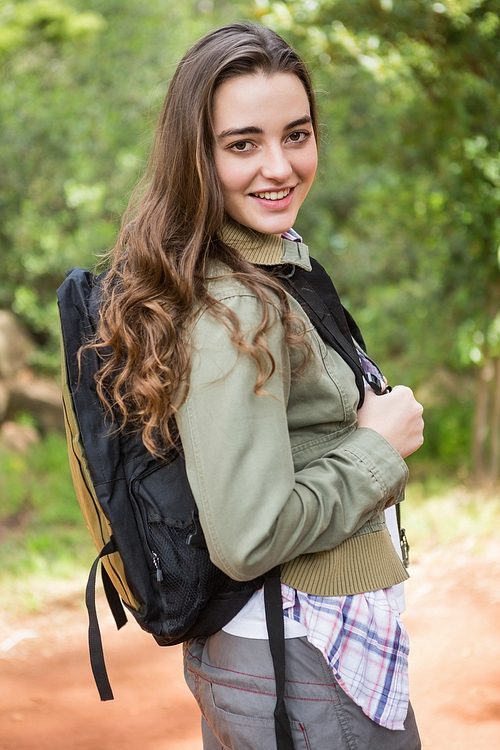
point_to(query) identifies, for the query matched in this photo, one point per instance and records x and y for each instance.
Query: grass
(39, 564)
(438, 513)
(43, 538)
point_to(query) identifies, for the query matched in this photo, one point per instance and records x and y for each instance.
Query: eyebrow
(254, 130)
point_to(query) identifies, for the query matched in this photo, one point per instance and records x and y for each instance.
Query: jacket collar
(264, 249)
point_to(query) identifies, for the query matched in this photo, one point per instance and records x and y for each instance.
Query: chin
(276, 226)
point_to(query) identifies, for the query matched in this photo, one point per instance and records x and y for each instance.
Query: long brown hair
(157, 278)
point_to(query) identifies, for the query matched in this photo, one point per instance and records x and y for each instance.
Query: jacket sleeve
(256, 511)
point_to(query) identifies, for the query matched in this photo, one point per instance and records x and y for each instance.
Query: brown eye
(240, 146)
(297, 136)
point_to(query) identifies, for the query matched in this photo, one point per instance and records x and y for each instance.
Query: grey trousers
(232, 680)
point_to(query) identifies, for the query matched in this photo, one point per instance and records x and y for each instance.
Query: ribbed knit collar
(264, 249)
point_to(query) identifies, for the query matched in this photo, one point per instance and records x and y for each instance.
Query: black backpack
(139, 510)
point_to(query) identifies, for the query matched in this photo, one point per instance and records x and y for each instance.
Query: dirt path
(48, 700)
(453, 618)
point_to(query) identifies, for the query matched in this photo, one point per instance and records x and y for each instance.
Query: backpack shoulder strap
(316, 293)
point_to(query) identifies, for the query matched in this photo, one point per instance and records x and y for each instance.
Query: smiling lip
(274, 199)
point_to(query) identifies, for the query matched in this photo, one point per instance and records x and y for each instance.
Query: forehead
(260, 100)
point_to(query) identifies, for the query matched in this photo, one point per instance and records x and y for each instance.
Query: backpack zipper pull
(405, 547)
(197, 538)
(159, 571)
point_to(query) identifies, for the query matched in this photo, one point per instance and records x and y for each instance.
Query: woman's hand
(397, 416)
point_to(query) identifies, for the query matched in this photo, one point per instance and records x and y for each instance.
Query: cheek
(229, 177)
(307, 160)
(310, 164)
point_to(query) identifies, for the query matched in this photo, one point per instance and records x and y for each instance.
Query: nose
(276, 165)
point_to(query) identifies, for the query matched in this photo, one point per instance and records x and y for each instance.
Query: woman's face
(265, 150)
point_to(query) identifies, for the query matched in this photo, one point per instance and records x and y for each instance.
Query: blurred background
(404, 214)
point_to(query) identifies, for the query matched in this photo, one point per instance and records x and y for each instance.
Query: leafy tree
(405, 212)
(79, 88)
(412, 187)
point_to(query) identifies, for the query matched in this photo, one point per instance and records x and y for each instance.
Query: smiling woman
(265, 163)
(203, 346)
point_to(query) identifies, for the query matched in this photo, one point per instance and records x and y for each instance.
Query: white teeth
(273, 196)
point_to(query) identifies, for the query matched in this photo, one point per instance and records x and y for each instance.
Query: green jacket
(285, 477)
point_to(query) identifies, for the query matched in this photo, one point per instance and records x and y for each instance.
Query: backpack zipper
(156, 563)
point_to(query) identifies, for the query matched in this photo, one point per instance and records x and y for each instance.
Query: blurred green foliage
(38, 483)
(79, 88)
(404, 213)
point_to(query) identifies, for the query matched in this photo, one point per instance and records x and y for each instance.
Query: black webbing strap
(315, 292)
(113, 599)
(96, 652)
(276, 633)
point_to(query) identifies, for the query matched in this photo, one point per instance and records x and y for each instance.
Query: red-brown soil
(48, 700)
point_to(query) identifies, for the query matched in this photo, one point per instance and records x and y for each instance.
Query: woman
(284, 467)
